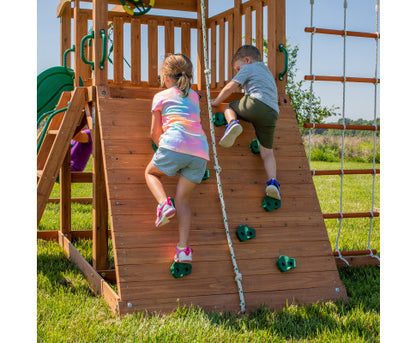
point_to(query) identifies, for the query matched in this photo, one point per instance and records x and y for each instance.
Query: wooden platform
(143, 254)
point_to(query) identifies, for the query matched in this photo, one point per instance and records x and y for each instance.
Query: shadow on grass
(56, 272)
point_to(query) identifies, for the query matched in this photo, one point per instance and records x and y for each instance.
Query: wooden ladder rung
(53, 132)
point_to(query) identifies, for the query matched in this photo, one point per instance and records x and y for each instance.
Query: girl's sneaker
(183, 255)
(165, 212)
(232, 131)
(273, 189)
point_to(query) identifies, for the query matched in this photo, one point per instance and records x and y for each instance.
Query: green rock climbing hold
(245, 233)
(206, 175)
(154, 146)
(179, 269)
(255, 146)
(219, 119)
(270, 204)
(285, 263)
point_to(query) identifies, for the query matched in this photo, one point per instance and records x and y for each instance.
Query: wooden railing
(226, 31)
(227, 27)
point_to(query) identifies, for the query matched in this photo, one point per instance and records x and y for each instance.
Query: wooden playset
(118, 113)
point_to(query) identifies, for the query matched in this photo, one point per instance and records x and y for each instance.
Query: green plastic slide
(51, 83)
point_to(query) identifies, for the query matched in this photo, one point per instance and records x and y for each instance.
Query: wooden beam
(341, 79)
(152, 35)
(200, 46)
(259, 27)
(357, 261)
(118, 52)
(280, 19)
(65, 195)
(237, 39)
(374, 35)
(73, 200)
(65, 34)
(341, 127)
(170, 37)
(100, 207)
(77, 42)
(59, 148)
(135, 51)
(97, 284)
(100, 22)
(52, 235)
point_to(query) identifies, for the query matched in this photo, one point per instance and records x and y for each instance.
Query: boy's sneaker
(183, 255)
(165, 212)
(273, 189)
(232, 131)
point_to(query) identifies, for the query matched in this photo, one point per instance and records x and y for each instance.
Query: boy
(258, 106)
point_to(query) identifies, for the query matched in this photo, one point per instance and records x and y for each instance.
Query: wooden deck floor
(143, 254)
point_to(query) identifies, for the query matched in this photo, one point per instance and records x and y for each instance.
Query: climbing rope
(344, 124)
(343, 133)
(375, 134)
(217, 168)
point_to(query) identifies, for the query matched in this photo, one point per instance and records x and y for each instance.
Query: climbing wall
(143, 253)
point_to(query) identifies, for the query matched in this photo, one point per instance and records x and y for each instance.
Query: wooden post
(84, 69)
(169, 37)
(100, 22)
(259, 27)
(65, 33)
(77, 42)
(200, 46)
(213, 55)
(152, 35)
(272, 19)
(65, 195)
(281, 39)
(118, 62)
(186, 39)
(231, 34)
(248, 26)
(135, 51)
(100, 206)
(237, 26)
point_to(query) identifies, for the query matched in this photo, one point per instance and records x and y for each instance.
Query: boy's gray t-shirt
(258, 83)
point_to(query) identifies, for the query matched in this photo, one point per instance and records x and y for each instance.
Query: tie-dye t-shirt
(181, 122)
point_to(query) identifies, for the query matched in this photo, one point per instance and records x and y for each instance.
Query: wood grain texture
(143, 254)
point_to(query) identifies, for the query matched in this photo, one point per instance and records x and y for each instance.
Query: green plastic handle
(89, 36)
(104, 54)
(282, 49)
(66, 53)
(45, 129)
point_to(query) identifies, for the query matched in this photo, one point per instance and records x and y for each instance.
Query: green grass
(69, 312)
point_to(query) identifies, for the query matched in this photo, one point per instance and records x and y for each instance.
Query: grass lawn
(68, 311)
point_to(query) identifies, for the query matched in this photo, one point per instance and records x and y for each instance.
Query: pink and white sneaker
(183, 255)
(165, 212)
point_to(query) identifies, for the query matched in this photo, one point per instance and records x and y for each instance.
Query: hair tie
(183, 73)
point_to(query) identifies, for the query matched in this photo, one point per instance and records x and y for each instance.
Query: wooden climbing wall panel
(143, 254)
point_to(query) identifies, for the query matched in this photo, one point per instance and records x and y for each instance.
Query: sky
(327, 57)
(30, 44)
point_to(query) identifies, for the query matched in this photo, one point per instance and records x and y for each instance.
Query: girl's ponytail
(178, 67)
(184, 84)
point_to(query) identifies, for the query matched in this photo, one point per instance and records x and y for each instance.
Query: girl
(182, 147)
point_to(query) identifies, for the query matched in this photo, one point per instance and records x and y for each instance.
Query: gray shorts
(171, 163)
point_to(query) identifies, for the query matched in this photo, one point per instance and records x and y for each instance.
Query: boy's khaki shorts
(262, 117)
